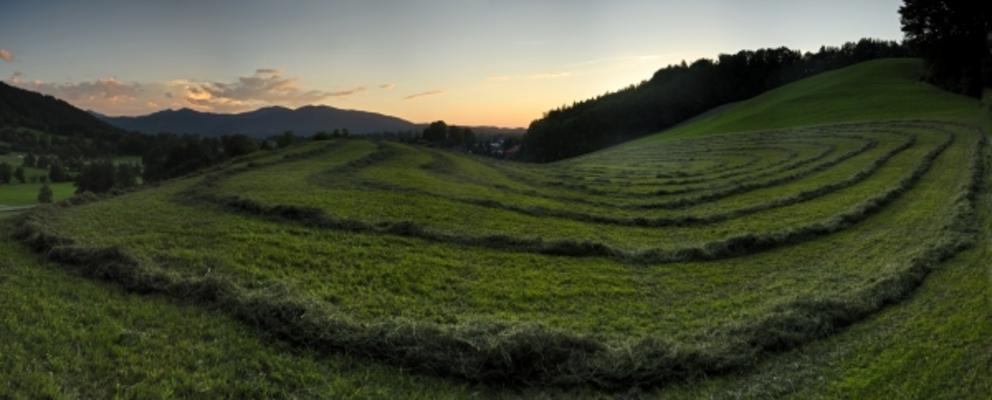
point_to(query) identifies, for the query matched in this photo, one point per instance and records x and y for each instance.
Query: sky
(467, 62)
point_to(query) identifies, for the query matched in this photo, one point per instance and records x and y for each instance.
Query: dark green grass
(67, 337)
(838, 299)
(17, 196)
(439, 213)
(693, 314)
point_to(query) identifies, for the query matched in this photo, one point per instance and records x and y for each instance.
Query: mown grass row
(437, 189)
(448, 283)
(729, 246)
(454, 177)
(625, 162)
(683, 187)
(586, 189)
(619, 156)
(763, 154)
(668, 221)
(479, 191)
(519, 354)
(716, 192)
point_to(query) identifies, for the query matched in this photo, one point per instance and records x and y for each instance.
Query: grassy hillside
(831, 247)
(873, 90)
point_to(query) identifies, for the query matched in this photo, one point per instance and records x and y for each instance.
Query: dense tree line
(678, 92)
(954, 37)
(102, 175)
(168, 155)
(324, 135)
(442, 134)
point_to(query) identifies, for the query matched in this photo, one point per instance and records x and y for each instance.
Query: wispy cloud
(6, 55)
(579, 68)
(423, 94)
(267, 86)
(387, 86)
(100, 90)
(103, 95)
(535, 76)
(347, 92)
(616, 60)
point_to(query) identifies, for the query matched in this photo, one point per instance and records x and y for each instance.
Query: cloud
(103, 95)
(423, 94)
(6, 55)
(622, 60)
(535, 77)
(347, 92)
(267, 86)
(581, 68)
(550, 75)
(100, 90)
(387, 86)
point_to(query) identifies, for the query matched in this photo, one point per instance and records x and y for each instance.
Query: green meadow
(825, 239)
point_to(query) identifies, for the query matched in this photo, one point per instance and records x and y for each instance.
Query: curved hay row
(689, 185)
(730, 246)
(586, 189)
(516, 354)
(623, 159)
(659, 222)
(490, 195)
(523, 171)
(567, 210)
(728, 189)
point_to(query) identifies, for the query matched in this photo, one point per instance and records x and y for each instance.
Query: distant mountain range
(263, 122)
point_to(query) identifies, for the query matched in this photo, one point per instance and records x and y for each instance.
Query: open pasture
(685, 257)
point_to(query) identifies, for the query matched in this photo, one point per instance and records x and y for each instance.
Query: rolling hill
(264, 122)
(826, 239)
(24, 108)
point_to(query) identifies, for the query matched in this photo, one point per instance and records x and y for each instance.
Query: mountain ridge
(262, 122)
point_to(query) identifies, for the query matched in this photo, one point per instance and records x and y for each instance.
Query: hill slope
(830, 260)
(263, 122)
(873, 90)
(24, 108)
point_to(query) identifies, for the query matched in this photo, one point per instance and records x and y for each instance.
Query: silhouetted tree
(96, 177)
(127, 175)
(45, 194)
(56, 173)
(952, 37)
(6, 172)
(437, 131)
(43, 162)
(238, 145)
(287, 138)
(322, 135)
(30, 160)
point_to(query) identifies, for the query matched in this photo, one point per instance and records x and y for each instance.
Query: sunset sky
(466, 62)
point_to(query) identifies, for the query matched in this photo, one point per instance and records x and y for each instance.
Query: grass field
(18, 196)
(825, 239)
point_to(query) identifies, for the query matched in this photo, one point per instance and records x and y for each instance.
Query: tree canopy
(953, 38)
(679, 92)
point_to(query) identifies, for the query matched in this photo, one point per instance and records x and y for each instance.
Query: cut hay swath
(635, 266)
